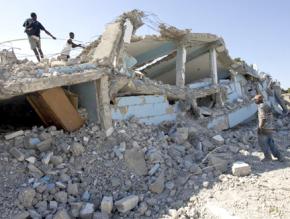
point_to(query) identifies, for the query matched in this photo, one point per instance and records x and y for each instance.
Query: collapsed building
(153, 78)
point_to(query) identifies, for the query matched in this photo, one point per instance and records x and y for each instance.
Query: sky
(258, 31)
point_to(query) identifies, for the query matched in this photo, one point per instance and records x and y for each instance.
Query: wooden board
(54, 108)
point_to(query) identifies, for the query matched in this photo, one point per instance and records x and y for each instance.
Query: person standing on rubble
(65, 53)
(265, 130)
(32, 29)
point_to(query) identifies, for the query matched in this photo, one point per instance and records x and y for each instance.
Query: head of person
(71, 35)
(33, 16)
(258, 99)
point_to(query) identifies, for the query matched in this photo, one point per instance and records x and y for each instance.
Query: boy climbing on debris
(65, 53)
(265, 130)
(32, 29)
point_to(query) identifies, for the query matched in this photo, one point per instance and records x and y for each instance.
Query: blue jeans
(268, 147)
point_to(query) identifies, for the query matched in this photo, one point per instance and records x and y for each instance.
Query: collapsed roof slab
(9, 89)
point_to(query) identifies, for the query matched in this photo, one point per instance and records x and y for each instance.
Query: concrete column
(214, 74)
(213, 65)
(180, 66)
(103, 100)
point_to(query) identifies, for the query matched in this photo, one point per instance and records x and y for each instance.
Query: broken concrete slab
(14, 135)
(17, 154)
(127, 203)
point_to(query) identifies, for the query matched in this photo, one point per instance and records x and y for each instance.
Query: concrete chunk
(136, 161)
(241, 168)
(17, 154)
(87, 211)
(218, 139)
(61, 214)
(126, 204)
(44, 145)
(107, 204)
(14, 135)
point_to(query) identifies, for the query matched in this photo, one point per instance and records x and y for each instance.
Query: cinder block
(241, 168)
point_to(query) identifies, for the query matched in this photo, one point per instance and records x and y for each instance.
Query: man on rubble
(65, 53)
(32, 29)
(265, 130)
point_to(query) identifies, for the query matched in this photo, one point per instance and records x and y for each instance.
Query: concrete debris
(137, 131)
(17, 154)
(61, 214)
(136, 161)
(87, 211)
(127, 203)
(26, 197)
(219, 139)
(14, 135)
(240, 168)
(107, 204)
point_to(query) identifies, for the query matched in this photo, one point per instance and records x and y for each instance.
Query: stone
(72, 189)
(61, 197)
(86, 196)
(26, 197)
(61, 214)
(31, 159)
(46, 159)
(34, 170)
(87, 211)
(41, 206)
(56, 160)
(14, 135)
(240, 168)
(77, 149)
(17, 154)
(158, 185)
(218, 163)
(75, 208)
(22, 215)
(135, 160)
(60, 185)
(52, 205)
(34, 214)
(44, 145)
(109, 131)
(181, 135)
(218, 139)
(142, 208)
(207, 145)
(234, 149)
(100, 215)
(107, 204)
(30, 143)
(154, 169)
(127, 203)
(169, 185)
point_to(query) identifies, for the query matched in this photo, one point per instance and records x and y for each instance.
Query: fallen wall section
(151, 109)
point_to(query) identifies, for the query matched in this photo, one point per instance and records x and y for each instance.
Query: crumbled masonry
(159, 126)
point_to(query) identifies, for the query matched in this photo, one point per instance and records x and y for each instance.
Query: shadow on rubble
(182, 199)
(16, 113)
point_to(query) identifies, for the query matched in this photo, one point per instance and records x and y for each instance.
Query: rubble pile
(139, 171)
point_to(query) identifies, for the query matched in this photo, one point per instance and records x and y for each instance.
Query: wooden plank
(54, 107)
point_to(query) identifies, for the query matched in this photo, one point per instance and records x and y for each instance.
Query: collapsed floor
(135, 127)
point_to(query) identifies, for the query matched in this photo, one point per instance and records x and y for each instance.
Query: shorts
(34, 42)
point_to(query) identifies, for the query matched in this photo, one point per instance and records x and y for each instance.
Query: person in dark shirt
(32, 29)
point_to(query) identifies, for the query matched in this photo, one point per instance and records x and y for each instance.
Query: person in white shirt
(65, 53)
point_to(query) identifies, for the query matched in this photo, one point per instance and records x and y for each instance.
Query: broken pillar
(214, 73)
(103, 101)
(180, 66)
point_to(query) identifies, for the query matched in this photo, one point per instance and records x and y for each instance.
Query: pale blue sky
(255, 30)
